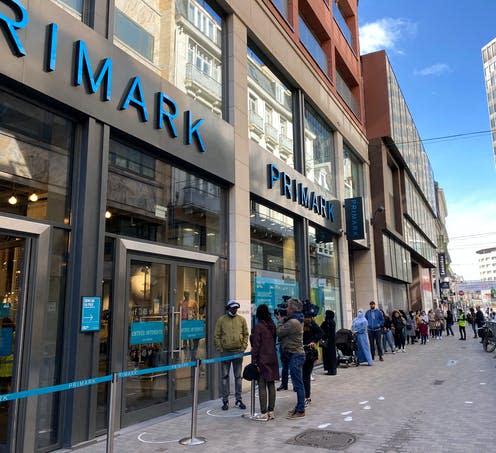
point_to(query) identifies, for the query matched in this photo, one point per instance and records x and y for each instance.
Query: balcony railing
(271, 133)
(197, 78)
(286, 143)
(256, 122)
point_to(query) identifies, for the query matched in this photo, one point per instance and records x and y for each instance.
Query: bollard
(193, 439)
(252, 415)
(111, 415)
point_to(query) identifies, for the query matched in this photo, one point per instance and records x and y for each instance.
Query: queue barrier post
(194, 439)
(111, 415)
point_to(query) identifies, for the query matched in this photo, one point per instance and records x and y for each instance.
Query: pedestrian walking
(470, 317)
(359, 327)
(328, 343)
(375, 322)
(264, 356)
(449, 323)
(290, 333)
(462, 322)
(231, 337)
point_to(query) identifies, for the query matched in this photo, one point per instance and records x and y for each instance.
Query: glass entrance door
(12, 277)
(166, 317)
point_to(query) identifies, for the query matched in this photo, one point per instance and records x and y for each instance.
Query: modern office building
(489, 64)
(402, 190)
(487, 264)
(157, 158)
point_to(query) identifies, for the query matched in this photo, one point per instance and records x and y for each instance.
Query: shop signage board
(90, 313)
(355, 228)
(146, 332)
(192, 329)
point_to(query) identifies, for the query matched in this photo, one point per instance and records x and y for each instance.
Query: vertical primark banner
(441, 257)
(355, 228)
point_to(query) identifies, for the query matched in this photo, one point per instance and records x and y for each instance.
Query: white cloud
(471, 226)
(385, 34)
(435, 69)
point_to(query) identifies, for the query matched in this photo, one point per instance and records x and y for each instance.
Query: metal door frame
(126, 250)
(30, 347)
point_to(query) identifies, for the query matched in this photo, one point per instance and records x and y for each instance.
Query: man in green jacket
(231, 337)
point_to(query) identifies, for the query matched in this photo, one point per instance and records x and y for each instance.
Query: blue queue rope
(121, 375)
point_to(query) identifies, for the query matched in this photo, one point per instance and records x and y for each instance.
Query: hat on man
(372, 303)
(232, 304)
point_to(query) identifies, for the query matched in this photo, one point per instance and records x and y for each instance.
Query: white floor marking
(452, 362)
(231, 415)
(348, 419)
(482, 371)
(468, 402)
(380, 398)
(346, 413)
(366, 407)
(363, 402)
(482, 383)
(155, 442)
(324, 425)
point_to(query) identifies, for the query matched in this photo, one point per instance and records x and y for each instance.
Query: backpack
(469, 318)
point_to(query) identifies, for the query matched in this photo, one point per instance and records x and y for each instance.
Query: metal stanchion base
(250, 416)
(192, 441)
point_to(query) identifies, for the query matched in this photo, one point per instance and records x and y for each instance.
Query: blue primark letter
(139, 101)
(83, 64)
(273, 175)
(193, 129)
(169, 115)
(12, 25)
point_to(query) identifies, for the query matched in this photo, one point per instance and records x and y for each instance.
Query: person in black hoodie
(312, 334)
(449, 323)
(329, 347)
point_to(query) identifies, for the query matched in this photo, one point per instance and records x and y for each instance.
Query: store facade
(130, 176)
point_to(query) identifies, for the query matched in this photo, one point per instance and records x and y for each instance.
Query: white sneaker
(312, 378)
(394, 352)
(262, 417)
(403, 350)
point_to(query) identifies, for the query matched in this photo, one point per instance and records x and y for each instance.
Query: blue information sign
(193, 329)
(90, 314)
(147, 332)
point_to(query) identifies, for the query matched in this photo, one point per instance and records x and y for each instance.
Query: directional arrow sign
(90, 313)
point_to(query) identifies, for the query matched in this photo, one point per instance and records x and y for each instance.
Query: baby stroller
(345, 347)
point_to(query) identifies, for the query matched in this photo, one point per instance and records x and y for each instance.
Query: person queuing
(290, 333)
(312, 334)
(398, 324)
(359, 326)
(375, 322)
(231, 337)
(387, 334)
(328, 343)
(264, 356)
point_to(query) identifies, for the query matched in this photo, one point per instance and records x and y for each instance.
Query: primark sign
(98, 76)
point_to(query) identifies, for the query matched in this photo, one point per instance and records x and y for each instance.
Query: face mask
(230, 313)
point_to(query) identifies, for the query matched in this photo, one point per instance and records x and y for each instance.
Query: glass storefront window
(152, 200)
(270, 109)
(274, 265)
(36, 147)
(324, 273)
(319, 151)
(181, 41)
(352, 174)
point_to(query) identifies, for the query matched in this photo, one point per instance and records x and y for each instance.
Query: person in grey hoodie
(290, 333)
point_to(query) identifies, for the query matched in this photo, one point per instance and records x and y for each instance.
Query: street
(438, 397)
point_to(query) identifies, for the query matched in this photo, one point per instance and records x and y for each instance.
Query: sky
(434, 47)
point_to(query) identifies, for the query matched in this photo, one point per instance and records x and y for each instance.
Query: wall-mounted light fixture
(12, 200)
(33, 197)
(379, 210)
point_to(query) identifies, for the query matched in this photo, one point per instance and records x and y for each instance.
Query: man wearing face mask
(231, 337)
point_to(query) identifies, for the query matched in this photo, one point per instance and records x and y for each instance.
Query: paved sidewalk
(440, 397)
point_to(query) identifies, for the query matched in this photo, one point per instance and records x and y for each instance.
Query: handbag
(251, 372)
(311, 354)
(323, 343)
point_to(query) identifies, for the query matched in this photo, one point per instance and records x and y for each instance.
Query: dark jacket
(329, 351)
(479, 318)
(263, 350)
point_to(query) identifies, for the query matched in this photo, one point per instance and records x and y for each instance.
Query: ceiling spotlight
(12, 200)
(108, 214)
(33, 197)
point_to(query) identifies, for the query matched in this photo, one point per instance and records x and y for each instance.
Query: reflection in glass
(319, 150)
(274, 266)
(270, 108)
(313, 45)
(150, 199)
(52, 340)
(35, 151)
(181, 40)
(324, 273)
(74, 7)
(148, 344)
(11, 276)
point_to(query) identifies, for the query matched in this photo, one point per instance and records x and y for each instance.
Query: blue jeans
(296, 361)
(387, 337)
(238, 380)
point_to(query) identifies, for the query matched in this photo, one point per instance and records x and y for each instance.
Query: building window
(352, 174)
(313, 45)
(181, 41)
(342, 20)
(271, 117)
(346, 93)
(150, 199)
(319, 150)
(324, 273)
(132, 34)
(35, 161)
(282, 7)
(74, 7)
(274, 265)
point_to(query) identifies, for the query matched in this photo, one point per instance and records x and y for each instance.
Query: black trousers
(375, 338)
